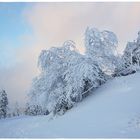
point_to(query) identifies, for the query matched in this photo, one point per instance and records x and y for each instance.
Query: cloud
(53, 23)
(16, 79)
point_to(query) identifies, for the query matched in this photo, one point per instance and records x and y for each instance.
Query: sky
(27, 28)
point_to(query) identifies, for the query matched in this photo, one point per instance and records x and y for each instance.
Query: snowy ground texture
(113, 111)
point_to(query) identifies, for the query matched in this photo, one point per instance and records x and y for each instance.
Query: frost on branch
(101, 47)
(82, 74)
(130, 58)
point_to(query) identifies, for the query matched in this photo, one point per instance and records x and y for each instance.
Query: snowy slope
(112, 111)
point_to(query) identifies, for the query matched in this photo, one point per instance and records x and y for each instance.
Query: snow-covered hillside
(113, 110)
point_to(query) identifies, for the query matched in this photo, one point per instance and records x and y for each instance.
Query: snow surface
(112, 111)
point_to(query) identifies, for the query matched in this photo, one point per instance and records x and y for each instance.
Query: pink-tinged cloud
(54, 23)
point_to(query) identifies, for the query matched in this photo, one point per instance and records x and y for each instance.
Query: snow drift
(112, 111)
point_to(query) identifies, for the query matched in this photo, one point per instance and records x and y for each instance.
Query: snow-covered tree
(102, 47)
(3, 104)
(130, 59)
(27, 109)
(136, 53)
(66, 76)
(16, 110)
(49, 85)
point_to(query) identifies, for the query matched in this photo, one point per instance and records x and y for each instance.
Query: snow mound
(112, 111)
